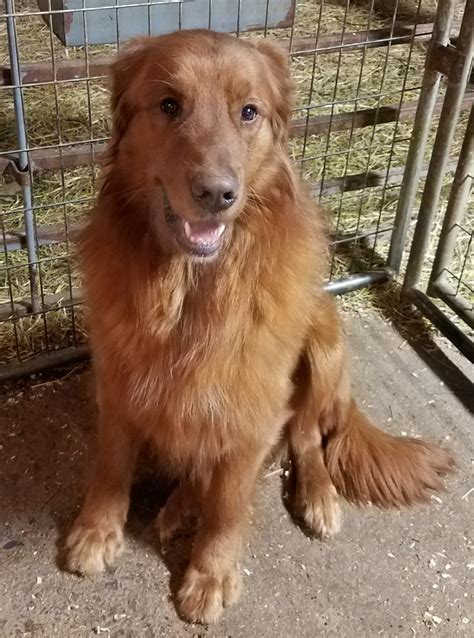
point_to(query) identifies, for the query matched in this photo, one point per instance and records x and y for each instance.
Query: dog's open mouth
(200, 238)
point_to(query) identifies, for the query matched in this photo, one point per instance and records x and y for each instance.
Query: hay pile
(78, 111)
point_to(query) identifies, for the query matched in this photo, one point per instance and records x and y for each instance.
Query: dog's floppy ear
(281, 84)
(125, 72)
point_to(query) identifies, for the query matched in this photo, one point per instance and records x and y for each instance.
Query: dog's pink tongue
(203, 232)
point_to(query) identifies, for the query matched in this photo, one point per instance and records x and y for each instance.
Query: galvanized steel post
(460, 69)
(457, 203)
(23, 163)
(421, 128)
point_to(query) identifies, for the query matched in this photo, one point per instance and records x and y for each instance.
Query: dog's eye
(249, 113)
(170, 106)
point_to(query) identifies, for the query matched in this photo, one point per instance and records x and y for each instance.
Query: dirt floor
(387, 573)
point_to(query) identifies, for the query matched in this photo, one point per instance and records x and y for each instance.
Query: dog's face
(198, 117)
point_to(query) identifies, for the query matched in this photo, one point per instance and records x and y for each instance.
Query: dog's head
(199, 118)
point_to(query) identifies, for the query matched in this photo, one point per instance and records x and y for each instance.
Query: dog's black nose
(215, 193)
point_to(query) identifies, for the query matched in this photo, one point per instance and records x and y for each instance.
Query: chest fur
(200, 358)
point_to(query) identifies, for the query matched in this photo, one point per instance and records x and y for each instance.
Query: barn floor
(386, 574)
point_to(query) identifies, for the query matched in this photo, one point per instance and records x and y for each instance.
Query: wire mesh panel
(358, 68)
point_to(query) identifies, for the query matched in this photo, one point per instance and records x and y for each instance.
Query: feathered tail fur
(369, 465)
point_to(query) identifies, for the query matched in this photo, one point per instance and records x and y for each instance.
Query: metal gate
(358, 67)
(451, 285)
(448, 280)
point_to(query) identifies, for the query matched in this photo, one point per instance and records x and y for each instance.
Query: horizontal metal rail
(437, 317)
(452, 298)
(42, 362)
(40, 72)
(56, 233)
(56, 358)
(86, 153)
(22, 307)
(357, 280)
(65, 300)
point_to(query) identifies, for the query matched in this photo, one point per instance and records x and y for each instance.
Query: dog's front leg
(96, 537)
(212, 580)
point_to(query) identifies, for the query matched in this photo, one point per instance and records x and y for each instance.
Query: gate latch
(447, 60)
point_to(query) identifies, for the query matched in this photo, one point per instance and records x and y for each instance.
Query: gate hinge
(447, 60)
(21, 176)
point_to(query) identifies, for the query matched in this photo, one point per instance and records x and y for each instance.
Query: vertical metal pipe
(457, 82)
(456, 208)
(23, 154)
(421, 129)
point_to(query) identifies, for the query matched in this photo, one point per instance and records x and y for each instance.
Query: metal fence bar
(371, 144)
(23, 163)
(42, 362)
(79, 353)
(356, 281)
(455, 211)
(56, 233)
(441, 321)
(353, 128)
(334, 94)
(457, 82)
(85, 152)
(11, 13)
(398, 119)
(336, 286)
(40, 72)
(424, 114)
(454, 300)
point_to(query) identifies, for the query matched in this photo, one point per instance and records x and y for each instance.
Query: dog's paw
(202, 597)
(320, 511)
(90, 549)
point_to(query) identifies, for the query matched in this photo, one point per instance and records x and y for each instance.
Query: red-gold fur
(212, 362)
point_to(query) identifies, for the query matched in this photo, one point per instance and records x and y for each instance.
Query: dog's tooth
(187, 230)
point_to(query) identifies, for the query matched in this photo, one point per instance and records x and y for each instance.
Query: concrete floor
(387, 573)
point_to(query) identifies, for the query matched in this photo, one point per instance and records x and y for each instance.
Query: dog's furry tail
(369, 465)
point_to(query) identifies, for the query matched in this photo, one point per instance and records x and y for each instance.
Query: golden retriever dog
(213, 340)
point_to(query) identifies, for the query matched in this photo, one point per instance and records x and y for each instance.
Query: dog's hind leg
(181, 510)
(314, 498)
(364, 463)
(321, 385)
